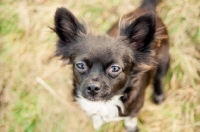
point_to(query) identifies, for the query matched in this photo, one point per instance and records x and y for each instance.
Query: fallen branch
(69, 105)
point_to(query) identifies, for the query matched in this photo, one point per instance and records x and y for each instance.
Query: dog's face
(100, 68)
(102, 64)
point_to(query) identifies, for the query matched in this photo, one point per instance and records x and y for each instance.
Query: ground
(35, 91)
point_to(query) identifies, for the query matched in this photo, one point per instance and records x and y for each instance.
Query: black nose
(93, 89)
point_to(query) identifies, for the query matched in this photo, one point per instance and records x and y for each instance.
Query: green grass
(26, 44)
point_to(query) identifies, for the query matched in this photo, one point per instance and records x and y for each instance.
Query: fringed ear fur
(68, 29)
(139, 34)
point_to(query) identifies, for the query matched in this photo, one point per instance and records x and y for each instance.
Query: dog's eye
(114, 70)
(81, 67)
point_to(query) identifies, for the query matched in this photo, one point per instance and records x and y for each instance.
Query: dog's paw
(97, 122)
(132, 129)
(158, 99)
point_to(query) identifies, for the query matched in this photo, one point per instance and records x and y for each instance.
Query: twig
(55, 95)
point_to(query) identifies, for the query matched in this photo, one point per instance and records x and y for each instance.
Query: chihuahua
(111, 72)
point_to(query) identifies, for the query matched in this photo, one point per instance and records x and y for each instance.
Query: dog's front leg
(97, 121)
(131, 124)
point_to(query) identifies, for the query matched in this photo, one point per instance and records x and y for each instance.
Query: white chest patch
(108, 110)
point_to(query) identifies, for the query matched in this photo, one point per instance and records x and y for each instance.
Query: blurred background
(35, 91)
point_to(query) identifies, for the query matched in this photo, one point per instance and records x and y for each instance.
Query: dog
(111, 72)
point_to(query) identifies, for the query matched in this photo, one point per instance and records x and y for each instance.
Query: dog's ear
(68, 29)
(67, 26)
(138, 35)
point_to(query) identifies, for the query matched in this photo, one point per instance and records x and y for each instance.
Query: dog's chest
(108, 111)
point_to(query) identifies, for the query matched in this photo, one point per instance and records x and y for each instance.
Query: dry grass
(33, 89)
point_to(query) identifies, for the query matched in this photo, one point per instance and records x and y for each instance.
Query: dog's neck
(108, 110)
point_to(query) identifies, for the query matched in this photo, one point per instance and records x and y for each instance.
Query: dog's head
(102, 64)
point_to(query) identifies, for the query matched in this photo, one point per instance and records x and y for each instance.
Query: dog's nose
(93, 89)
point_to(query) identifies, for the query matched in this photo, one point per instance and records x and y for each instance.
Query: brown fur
(136, 96)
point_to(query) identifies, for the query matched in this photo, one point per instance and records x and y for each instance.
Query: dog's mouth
(88, 97)
(97, 98)
(94, 98)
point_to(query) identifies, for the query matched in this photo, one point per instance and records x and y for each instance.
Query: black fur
(99, 53)
(106, 66)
